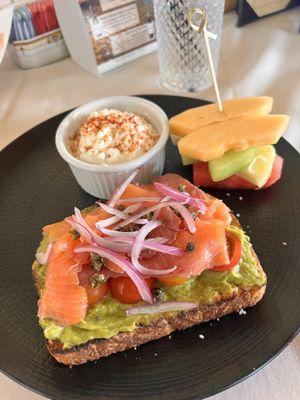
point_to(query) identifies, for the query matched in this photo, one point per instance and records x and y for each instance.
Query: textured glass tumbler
(182, 56)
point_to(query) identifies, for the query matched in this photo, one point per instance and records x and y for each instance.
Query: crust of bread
(98, 348)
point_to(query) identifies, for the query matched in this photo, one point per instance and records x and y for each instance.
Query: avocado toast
(194, 264)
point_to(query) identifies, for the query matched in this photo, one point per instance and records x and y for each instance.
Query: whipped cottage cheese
(112, 137)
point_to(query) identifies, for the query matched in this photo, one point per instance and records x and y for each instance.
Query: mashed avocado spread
(108, 318)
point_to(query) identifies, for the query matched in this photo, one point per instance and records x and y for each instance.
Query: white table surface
(259, 59)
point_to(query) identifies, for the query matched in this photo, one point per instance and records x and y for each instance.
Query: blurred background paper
(102, 35)
(251, 10)
(265, 7)
(5, 25)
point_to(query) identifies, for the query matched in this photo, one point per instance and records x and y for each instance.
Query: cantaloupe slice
(212, 141)
(194, 118)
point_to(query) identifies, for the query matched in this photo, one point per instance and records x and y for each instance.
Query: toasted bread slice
(98, 348)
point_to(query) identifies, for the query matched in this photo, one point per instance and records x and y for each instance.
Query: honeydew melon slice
(230, 163)
(259, 171)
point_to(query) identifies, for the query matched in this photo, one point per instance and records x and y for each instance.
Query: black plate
(37, 187)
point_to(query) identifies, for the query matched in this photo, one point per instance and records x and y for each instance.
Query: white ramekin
(101, 180)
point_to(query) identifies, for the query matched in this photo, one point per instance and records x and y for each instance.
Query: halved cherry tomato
(236, 249)
(172, 280)
(124, 290)
(94, 294)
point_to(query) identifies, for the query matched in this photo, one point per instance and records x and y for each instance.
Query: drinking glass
(182, 56)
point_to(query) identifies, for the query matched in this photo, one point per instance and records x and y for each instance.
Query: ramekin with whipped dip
(105, 140)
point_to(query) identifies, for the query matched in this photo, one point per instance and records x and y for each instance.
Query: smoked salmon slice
(60, 231)
(209, 249)
(177, 182)
(63, 299)
(216, 209)
(170, 225)
(56, 231)
(94, 216)
(139, 191)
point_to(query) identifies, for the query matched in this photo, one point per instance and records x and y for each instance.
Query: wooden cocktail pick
(201, 28)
